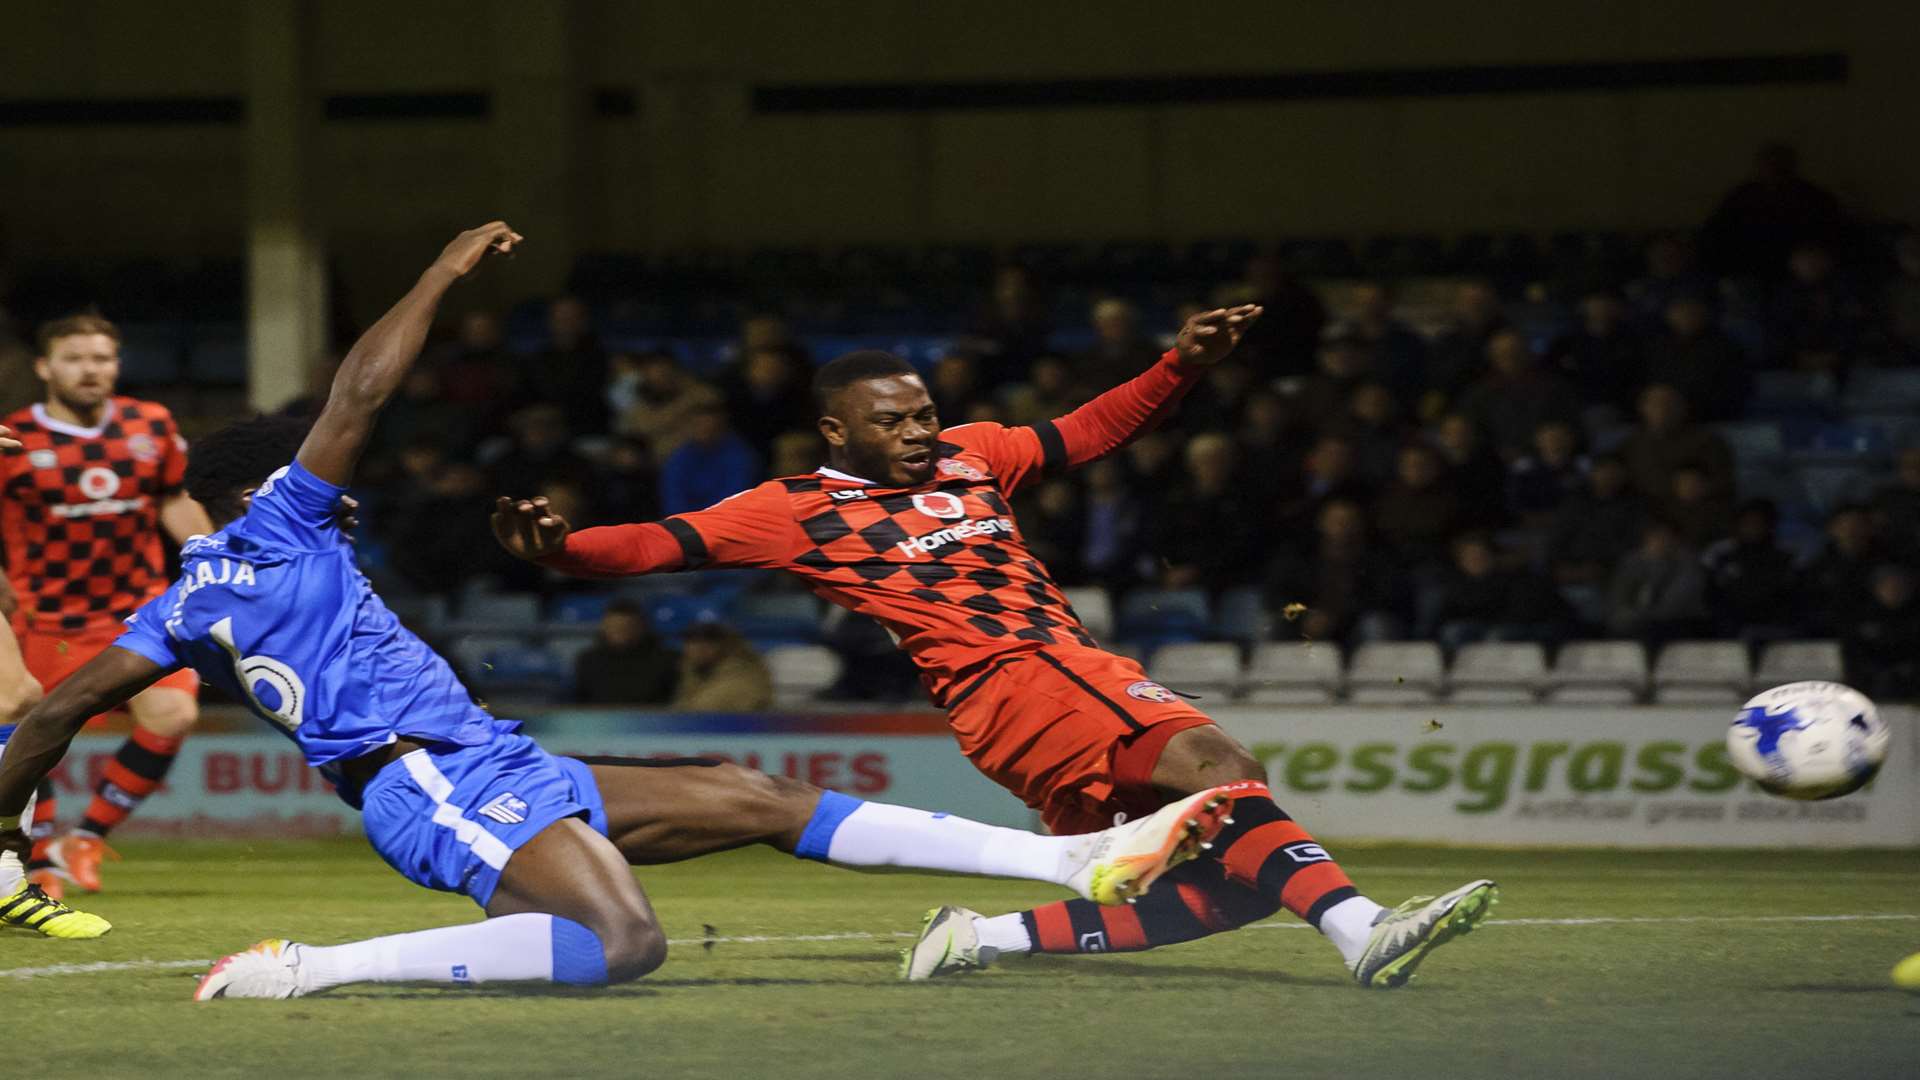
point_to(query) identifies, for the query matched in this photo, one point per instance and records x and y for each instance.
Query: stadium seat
(1395, 673)
(1754, 443)
(1498, 673)
(1154, 617)
(1790, 393)
(1882, 390)
(1598, 673)
(1095, 609)
(1242, 617)
(1707, 672)
(1825, 488)
(580, 608)
(785, 617)
(508, 612)
(1293, 673)
(802, 672)
(1209, 668)
(1798, 661)
(566, 648)
(674, 614)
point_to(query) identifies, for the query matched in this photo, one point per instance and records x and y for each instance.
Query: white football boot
(1404, 936)
(270, 969)
(948, 945)
(1119, 864)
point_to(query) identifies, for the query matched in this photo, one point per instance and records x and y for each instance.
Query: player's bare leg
(566, 910)
(162, 716)
(666, 811)
(19, 692)
(1262, 862)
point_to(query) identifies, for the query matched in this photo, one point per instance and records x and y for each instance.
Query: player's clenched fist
(528, 528)
(467, 249)
(1209, 336)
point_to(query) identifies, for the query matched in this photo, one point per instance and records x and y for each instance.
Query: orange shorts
(1074, 732)
(53, 656)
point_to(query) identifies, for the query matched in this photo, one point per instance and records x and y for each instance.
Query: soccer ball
(1809, 740)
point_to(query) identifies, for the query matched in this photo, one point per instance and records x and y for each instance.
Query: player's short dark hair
(82, 322)
(224, 465)
(841, 372)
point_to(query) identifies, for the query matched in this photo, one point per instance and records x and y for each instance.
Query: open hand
(467, 249)
(7, 441)
(1208, 337)
(528, 528)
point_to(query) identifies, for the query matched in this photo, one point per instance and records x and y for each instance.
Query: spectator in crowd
(420, 410)
(1401, 351)
(1472, 470)
(1342, 364)
(1480, 600)
(656, 399)
(1670, 272)
(626, 483)
(1539, 482)
(1214, 403)
(1119, 352)
(1111, 552)
(1201, 538)
(1282, 343)
(1658, 592)
(1697, 513)
(1834, 586)
(1883, 644)
(796, 453)
(1896, 508)
(1327, 473)
(873, 667)
(1667, 439)
(476, 374)
(763, 331)
(1351, 591)
(1419, 512)
(627, 664)
(720, 672)
(956, 387)
(1372, 424)
(1459, 354)
(1752, 587)
(1012, 330)
(1048, 392)
(539, 454)
(767, 394)
(1516, 396)
(1697, 359)
(1761, 220)
(1605, 357)
(1591, 531)
(572, 371)
(1816, 310)
(1054, 527)
(1901, 300)
(711, 465)
(436, 526)
(1154, 471)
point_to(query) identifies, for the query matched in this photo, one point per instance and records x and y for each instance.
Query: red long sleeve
(1127, 411)
(618, 551)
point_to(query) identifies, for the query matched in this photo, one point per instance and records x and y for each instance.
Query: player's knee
(633, 948)
(1207, 757)
(167, 715)
(16, 699)
(780, 804)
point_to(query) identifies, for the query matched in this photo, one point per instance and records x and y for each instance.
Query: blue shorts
(450, 817)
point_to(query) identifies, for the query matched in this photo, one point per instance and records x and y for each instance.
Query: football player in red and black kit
(83, 504)
(910, 523)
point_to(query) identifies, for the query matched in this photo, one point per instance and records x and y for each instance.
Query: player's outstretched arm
(530, 529)
(41, 740)
(379, 361)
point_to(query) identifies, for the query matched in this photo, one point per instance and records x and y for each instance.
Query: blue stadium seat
(1242, 616)
(778, 618)
(673, 616)
(1827, 487)
(1790, 393)
(1883, 390)
(580, 608)
(510, 610)
(1754, 442)
(1154, 617)
(1840, 443)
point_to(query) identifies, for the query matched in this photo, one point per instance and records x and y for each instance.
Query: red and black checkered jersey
(80, 517)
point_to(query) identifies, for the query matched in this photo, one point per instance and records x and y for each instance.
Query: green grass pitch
(1691, 968)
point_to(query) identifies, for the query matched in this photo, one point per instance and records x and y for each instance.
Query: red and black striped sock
(40, 830)
(1189, 902)
(1269, 852)
(135, 772)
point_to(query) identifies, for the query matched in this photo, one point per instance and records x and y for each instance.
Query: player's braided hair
(837, 374)
(225, 464)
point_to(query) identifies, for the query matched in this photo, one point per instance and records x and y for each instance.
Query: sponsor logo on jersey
(508, 809)
(43, 459)
(142, 446)
(961, 469)
(1151, 691)
(849, 495)
(915, 546)
(99, 482)
(940, 504)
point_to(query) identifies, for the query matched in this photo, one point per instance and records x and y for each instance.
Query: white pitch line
(110, 966)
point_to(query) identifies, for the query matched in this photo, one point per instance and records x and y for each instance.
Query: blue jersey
(273, 610)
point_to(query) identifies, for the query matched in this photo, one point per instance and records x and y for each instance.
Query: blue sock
(578, 958)
(817, 837)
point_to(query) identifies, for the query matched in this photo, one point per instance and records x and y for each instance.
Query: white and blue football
(1809, 740)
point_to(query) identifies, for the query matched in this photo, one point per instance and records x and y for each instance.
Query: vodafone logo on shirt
(940, 504)
(99, 482)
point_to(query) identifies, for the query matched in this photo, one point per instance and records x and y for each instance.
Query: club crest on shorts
(1151, 691)
(940, 504)
(508, 809)
(961, 469)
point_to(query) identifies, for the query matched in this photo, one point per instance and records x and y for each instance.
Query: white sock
(1348, 924)
(879, 834)
(1003, 934)
(510, 948)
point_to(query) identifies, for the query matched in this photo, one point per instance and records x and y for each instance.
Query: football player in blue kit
(273, 609)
